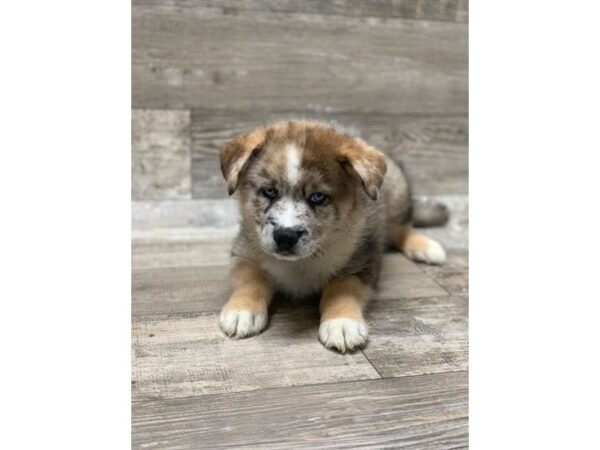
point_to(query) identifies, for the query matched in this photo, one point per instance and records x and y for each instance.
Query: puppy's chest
(300, 279)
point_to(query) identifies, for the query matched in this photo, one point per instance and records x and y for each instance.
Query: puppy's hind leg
(417, 246)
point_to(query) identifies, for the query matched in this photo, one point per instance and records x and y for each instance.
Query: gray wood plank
(429, 411)
(401, 278)
(182, 356)
(415, 336)
(157, 254)
(152, 215)
(455, 282)
(173, 289)
(215, 59)
(445, 10)
(432, 148)
(454, 275)
(160, 155)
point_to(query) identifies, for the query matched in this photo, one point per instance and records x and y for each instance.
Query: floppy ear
(368, 163)
(235, 156)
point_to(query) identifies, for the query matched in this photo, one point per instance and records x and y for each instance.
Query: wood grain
(214, 59)
(160, 155)
(171, 290)
(157, 254)
(401, 278)
(445, 10)
(454, 275)
(432, 148)
(182, 356)
(415, 336)
(429, 411)
(199, 214)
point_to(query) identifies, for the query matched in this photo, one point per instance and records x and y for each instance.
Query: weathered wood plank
(161, 254)
(175, 234)
(429, 411)
(418, 335)
(445, 10)
(160, 155)
(207, 58)
(152, 215)
(455, 282)
(454, 275)
(433, 148)
(401, 278)
(172, 289)
(183, 356)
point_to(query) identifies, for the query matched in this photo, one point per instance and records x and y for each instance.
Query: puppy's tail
(429, 213)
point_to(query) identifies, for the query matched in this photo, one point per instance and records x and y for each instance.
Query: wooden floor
(396, 73)
(193, 387)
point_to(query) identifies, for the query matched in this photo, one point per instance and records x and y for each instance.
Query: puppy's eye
(317, 198)
(270, 193)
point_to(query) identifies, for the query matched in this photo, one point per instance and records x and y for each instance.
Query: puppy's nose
(286, 238)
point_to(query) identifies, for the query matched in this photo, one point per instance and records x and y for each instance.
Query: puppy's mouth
(295, 254)
(285, 255)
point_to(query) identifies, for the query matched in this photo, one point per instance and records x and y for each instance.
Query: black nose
(286, 238)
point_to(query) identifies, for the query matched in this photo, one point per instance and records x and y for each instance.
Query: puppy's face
(295, 202)
(298, 183)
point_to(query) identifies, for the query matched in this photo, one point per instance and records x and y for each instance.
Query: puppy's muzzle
(287, 238)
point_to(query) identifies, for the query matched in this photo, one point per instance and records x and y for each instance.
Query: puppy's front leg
(245, 314)
(342, 324)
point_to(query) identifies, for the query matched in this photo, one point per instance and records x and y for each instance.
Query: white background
(65, 253)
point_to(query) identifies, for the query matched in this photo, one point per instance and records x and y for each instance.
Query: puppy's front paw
(343, 334)
(242, 323)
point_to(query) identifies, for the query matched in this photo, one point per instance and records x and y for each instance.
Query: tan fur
(409, 240)
(252, 288)
(417, 246)
(344, 298)
(236, 154)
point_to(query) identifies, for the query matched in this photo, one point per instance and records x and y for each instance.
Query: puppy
(317, 209)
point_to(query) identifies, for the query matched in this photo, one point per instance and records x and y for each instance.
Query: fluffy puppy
(317, 208)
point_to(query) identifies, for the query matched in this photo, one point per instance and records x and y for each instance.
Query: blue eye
(270, 193)
(317, 198)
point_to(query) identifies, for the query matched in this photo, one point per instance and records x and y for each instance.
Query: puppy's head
(300, 184)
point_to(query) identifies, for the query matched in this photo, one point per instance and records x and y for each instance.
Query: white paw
(433, 254)
(241, 323)
(343, 334)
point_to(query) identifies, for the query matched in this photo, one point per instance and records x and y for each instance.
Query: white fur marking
(343, 334)
(289, 214)
(293, 163)
(241, 323)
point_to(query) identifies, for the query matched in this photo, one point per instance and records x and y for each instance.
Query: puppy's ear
(236, 154)
(366, 162)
